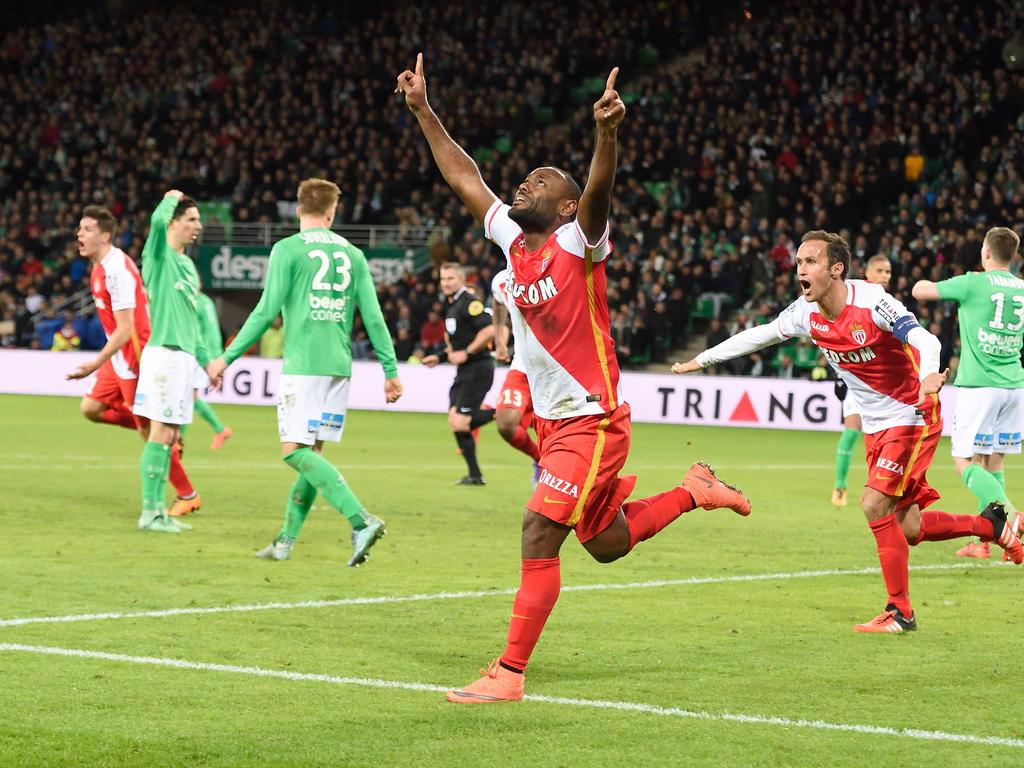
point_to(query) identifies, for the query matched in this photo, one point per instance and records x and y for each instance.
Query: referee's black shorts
(471, 385)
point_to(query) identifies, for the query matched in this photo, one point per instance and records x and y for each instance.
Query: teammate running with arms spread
(555, 239)
(315, 280)
(989, 380)
(515, 406)
(123, 309)
(890, 363)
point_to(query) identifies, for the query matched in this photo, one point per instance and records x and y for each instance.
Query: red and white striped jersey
(116, 284)
(557, 300)
(881, 371)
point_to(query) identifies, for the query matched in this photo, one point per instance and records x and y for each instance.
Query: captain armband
(903, 326)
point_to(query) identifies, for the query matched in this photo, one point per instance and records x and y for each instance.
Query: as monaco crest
(860, 336)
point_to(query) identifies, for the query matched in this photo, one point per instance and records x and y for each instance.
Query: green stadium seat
(649, 57)
(483, 154)
(503, 144)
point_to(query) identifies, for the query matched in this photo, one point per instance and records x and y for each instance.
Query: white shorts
(311, 408)
(987, 421)
(850, 407)
(165, 389)
(201, 381)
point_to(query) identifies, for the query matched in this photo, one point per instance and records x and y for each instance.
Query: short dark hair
(183, 205)
(105, 220)
(1002, 243)
(838, 249)
(571, 185)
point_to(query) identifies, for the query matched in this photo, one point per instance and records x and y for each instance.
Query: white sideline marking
(622, 706)
(389, 599)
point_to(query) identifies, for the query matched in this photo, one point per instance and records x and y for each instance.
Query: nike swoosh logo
(553, 501)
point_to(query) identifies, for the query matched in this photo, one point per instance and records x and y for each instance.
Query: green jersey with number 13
(991, 319)
(315, 280)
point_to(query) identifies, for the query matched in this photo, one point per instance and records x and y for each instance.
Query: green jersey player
(316, 279)
(167, 368)
(989, 379)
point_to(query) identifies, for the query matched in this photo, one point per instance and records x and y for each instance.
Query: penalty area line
(441, 596)
(620, 706)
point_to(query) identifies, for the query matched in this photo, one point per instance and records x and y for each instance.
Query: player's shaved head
(572, 189)
(878, 270)
(546, 199)
(1002, 243)
(317, 197)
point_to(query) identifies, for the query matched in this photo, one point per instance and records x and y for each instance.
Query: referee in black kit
(468, 333)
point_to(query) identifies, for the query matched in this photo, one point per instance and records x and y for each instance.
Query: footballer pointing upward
(555, 240)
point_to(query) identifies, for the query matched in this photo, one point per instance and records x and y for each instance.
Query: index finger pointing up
(419, 64)
(610, 85)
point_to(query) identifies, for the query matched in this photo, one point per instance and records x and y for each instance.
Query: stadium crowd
(899, 125)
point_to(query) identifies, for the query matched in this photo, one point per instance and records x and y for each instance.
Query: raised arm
(592, 214)
(162, 217)
(456, 166)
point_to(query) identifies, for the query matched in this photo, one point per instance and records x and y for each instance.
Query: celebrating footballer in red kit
(555, 240)
(891, 366)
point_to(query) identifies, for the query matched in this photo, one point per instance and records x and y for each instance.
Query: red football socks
(646, 517)
(940, 526)
(119, 417)
(894, 556)
(522, 441)
(177, 475)
(538, 592)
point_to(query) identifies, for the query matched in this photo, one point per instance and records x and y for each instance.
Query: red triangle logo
(744, 410)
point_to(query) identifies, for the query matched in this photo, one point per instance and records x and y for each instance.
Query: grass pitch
(706, 670)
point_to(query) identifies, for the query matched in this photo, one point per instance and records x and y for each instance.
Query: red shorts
(515, 395)
(111, 389)
(580, 459)
(898, 459)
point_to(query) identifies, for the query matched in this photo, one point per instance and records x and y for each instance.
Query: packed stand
(900, 125)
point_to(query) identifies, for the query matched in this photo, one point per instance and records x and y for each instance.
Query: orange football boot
(1009, 531)
(497, 684)
(889, 621)
(711, 493)
(976, 549)
(839, 497)
(182, 507)
(219, 438)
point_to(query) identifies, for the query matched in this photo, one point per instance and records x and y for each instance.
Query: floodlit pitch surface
(723, 641)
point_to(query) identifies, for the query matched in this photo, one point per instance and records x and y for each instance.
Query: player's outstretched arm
(275, 288)
(926, 290)
(122, 333)
(499, 320)
(743, 343)
(455, 165)
(609, 111)
(373, 321)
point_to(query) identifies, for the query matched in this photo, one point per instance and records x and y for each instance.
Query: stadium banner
(655, 398)
(244, 267)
